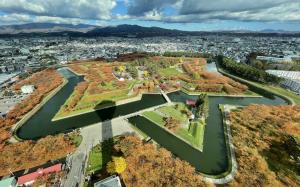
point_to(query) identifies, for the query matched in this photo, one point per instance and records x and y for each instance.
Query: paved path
(93, 135)
(165, 96)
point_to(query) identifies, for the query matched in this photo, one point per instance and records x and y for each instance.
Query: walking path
(92, 135)
(165, 96)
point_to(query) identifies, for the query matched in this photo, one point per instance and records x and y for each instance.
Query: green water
(213, 160)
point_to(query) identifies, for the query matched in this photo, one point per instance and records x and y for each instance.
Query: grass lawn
(89, 102)
(282, 91)
(195, 135)
(76, 139)
(154, 117)
(168, 72)
(99, 156)
(275, 89)
(175, 113)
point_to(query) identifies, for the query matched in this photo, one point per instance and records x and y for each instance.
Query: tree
(152, 166)
(117, 165)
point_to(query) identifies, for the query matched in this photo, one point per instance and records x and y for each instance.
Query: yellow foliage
(117, 165)
(122, 68)
(146, 73)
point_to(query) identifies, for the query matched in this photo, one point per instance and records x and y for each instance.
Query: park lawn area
(88, 102)
(168, 72)
(154, 117)
(275, 89)
(171, 111)
(282, 91)
(99, 156)
(76, 139)
(195, 135)
(95, 160)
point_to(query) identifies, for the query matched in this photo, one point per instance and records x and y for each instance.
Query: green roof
(8, 182)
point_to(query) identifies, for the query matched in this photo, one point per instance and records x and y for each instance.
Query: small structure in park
(191, 103)
(112, 181)
(27, 89)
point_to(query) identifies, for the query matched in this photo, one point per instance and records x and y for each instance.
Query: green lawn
(275, 89)
(171, 111)
(154, 117)
(99, 156)
(90, 102)
(168, 72)
(282, 91)
(195, 135)
(76, 139)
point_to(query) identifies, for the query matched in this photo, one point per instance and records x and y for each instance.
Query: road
(93, 135)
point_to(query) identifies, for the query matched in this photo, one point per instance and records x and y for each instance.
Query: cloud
(205, 6)
(281, 12)
(179, 11)
(142, 7)
(83, 9)
(194, 11)
(15, 18)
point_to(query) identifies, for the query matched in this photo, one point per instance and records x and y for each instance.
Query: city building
(28, 179)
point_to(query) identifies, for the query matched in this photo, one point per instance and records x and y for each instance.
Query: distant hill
(82, 30)
(44, 28)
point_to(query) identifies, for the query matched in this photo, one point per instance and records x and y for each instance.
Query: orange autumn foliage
(44, 82)
(210, 82)
(148, 165)
(28, 154)
(264, 145)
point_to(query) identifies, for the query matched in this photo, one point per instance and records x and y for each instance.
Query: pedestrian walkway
(165, 96)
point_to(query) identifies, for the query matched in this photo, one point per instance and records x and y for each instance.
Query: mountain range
(84, 30)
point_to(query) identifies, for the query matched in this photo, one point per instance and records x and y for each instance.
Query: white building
(285, 74)
(274, 59)
(291, 79)
(27, 89)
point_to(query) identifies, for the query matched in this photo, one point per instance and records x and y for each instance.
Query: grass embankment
(288, 95)
(194, 134)
(248, 93)
(174, 112)
(89, 103)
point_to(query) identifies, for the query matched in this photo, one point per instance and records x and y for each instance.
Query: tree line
(247, 71)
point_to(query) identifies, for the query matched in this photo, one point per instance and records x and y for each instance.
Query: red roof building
(191, 103)
(30, 178)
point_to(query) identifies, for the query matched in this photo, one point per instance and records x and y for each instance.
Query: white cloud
(84, 9)
(15, 18)
(282, 12)
(208, 10)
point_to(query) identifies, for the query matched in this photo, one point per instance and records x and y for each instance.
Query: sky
(192, 15)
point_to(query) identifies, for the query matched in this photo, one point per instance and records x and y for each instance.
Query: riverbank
(173, 134)
(118, 103)
(292, 99)
(27, 116)
(251, 94)
(232, 163)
